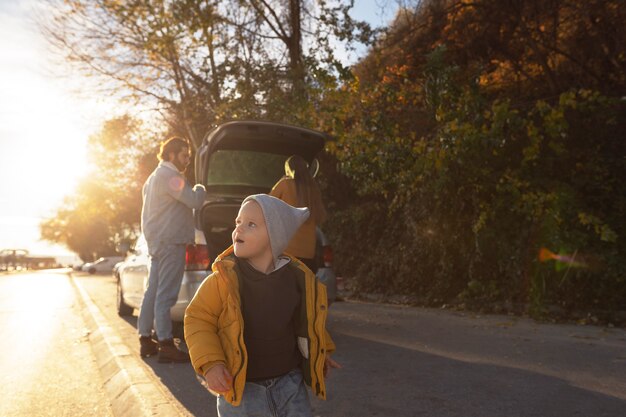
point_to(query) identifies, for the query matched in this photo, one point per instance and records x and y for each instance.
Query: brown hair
(308, 192)
(174, 144)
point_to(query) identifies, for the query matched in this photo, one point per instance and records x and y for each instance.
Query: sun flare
(50, 156)
(44, 128)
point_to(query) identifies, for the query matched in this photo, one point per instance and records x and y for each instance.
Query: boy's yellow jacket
(214, 326)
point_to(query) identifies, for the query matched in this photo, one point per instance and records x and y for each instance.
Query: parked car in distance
(104, 264)
(235, 159)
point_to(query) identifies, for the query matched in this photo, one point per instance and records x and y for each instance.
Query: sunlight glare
(44, 128)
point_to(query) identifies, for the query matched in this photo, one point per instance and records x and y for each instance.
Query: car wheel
(123, 309)
(92, 271)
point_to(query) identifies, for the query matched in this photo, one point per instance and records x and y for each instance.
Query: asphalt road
(416, 362)
(402, 361)
(46, 365)
(398, 361)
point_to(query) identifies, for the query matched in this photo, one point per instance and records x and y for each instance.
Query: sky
(45, 124)
(42, 132)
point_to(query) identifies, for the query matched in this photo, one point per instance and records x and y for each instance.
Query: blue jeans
(167, 265)
(285, 396)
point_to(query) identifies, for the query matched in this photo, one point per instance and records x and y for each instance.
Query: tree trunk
(294, 45)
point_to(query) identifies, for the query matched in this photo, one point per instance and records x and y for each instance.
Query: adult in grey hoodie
(167, 224)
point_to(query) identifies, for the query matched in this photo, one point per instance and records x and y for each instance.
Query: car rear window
(245, 168)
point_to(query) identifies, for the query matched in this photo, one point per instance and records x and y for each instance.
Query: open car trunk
(237, 159)
(218, 222)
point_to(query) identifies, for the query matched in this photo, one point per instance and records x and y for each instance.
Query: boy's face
(250, 237)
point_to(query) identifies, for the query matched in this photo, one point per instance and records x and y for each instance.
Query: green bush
(462, 212)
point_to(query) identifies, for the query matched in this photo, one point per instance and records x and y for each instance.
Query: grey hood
(281, 219)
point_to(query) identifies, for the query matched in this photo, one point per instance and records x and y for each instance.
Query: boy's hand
(219, 379)
(330, 364)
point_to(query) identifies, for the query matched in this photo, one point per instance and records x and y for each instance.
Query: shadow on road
(181, 381)
(379, 379)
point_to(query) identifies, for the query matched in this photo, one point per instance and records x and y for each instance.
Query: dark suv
(240, 158)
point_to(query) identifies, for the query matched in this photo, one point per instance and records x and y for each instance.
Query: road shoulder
(130, 388)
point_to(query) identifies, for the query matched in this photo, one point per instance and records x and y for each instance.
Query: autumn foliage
(476, 133)
(479, 152)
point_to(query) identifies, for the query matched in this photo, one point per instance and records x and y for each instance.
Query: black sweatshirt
(269, 303)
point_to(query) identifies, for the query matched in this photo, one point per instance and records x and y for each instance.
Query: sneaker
(147, 346)
(169, 352)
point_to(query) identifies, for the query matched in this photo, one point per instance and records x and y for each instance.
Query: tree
(146, 52)
(547, 45)
(483, 132)
(199, 62)
(196, 63)
(105, 209)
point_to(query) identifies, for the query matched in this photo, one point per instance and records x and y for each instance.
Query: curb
(130, 389)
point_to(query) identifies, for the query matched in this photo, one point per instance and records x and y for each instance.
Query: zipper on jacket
(241, 352)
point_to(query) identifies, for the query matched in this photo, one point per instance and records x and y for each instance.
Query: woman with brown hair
(298, 188)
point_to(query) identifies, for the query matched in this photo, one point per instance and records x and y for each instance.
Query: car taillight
(197, 258)
(327, 256)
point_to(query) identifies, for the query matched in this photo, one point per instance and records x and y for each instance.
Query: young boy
(256, 327)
